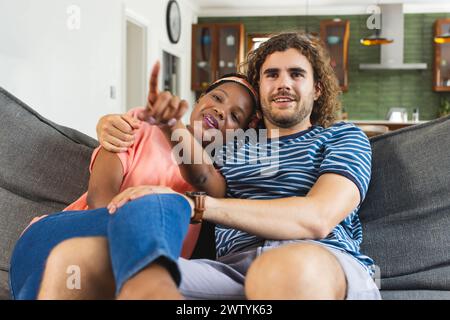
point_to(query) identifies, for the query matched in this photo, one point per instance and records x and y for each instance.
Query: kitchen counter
(390, 124)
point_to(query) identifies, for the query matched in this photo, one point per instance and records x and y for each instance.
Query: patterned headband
(241, 81)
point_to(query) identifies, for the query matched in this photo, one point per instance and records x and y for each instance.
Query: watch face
(173, 21)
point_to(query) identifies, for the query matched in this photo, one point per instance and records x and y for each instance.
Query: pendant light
(375, 40)
(443, 38)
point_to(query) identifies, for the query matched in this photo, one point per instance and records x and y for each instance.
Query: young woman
(229, 103)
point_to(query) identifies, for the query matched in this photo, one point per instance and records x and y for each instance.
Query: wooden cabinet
(441, 72)
(217, 49)
(335, 35)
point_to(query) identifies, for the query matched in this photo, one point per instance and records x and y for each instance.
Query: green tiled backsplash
(371, 93)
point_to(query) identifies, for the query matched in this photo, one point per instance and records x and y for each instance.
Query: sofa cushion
(4, 286)
(415, 295)
(44, 167)
(406, 214)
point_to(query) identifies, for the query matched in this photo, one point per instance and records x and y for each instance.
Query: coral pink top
(149, 162)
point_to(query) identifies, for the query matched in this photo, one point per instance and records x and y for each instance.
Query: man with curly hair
(290, 231)
(321, 179)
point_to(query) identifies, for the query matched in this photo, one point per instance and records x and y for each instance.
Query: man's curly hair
(328, 104)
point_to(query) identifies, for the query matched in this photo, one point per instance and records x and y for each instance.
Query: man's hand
(163, 109)
(115, 132)
(138, 192)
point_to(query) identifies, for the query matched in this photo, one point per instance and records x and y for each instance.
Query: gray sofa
(406, 215)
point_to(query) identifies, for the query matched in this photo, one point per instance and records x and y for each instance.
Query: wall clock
(173, 21)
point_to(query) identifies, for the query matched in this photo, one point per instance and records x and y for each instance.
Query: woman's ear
(255, 119)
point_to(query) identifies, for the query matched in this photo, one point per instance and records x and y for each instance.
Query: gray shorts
(224, 278)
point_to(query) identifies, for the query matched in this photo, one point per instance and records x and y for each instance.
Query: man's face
(287, 88)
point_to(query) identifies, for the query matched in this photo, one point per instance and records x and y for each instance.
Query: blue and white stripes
(290, 166)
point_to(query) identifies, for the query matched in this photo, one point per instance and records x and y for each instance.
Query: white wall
(65, 74)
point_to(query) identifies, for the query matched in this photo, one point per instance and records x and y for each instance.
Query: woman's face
(228, 106)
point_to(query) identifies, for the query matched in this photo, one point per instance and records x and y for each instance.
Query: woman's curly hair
(328, 104)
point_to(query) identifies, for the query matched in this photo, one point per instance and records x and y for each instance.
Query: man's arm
(106, 179)
(115, 132)
(332, 198)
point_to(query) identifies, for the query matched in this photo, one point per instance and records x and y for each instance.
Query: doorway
(171, 77)
(254, 40)
(135, 63)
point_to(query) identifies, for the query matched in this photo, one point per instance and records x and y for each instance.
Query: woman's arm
(106, 179)
(115, 133)
(198, 169)
(104, 183)
(167, 110)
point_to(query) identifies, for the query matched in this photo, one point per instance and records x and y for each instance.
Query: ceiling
(313, 7)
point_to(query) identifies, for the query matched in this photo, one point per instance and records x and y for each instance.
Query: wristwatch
(199, 202)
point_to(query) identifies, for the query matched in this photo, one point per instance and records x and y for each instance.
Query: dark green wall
(372, 93)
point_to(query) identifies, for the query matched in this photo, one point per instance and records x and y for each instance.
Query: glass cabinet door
(217, 49)
(229, 47)
(203, 68)
(335, 35)
(442, 57)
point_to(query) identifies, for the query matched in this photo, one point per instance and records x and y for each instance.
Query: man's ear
(255, 119)
(317, 90)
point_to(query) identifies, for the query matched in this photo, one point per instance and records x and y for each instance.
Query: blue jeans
(142, 231)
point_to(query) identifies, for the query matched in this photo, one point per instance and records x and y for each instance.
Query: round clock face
(173, 21)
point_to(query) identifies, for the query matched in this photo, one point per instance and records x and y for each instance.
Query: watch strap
(199, 205)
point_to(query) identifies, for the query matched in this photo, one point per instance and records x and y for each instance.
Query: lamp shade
(445, 38)
(375, 40)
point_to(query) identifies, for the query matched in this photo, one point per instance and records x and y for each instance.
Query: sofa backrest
(406, 214)
(43, 168)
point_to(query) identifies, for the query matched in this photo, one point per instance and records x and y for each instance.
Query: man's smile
(283, 101)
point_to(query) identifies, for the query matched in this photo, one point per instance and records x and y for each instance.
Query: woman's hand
(163, 109)
(115, 132)
(138, 192)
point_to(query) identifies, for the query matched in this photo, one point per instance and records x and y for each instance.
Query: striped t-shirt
(289, 166)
